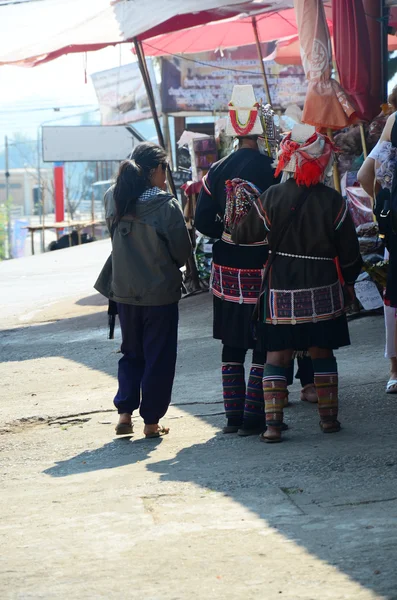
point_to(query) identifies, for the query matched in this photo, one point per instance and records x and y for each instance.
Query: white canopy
(37, 31)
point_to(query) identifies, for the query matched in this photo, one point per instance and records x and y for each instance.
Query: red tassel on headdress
(309, 173)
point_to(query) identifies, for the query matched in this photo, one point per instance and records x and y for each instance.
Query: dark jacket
(245, 164)
(322, 228)
(148, 250)
(304, 271)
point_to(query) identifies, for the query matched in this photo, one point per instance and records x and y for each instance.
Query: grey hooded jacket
(148, 250)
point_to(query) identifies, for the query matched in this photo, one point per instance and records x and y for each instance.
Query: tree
(79, 178)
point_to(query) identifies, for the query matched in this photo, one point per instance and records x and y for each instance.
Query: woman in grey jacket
(150, 243)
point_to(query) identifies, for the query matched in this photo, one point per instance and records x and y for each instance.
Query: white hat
(244, 113)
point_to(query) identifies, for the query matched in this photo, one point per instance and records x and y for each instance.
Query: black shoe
(246, 431)
(230, 429)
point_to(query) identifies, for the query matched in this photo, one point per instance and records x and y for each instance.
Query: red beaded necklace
(243, 128)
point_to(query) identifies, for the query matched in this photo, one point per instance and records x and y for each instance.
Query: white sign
(368, 294)
(122, 95)
(88, 143)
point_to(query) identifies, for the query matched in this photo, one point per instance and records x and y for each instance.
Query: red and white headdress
(308, 162)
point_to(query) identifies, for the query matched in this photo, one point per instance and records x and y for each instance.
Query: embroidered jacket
(236, 270)
(303, 284)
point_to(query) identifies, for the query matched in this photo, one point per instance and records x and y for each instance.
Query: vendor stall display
(203, 255)
(203, 153)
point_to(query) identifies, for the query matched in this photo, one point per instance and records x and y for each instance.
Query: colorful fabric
(240, 195)
(326, 382)
(292, 307)
(236, 285)
(275, 394)
(310, 162)
(386, 156)
(233, 384)
(254, 408)
(326, 104)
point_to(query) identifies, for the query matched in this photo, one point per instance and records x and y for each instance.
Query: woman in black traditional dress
(308, 227)
(237, 269)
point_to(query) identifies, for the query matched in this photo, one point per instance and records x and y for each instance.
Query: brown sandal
(156, 434)
(124, 429)
(270, 440)
(333, 427)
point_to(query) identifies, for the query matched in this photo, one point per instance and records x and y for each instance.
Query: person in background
(301, 306)
(367, 177)
(150, 243)
(237, 269)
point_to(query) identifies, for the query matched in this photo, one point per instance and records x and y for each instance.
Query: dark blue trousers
(147, 367)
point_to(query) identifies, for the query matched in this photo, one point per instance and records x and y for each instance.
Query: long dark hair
(134, 176)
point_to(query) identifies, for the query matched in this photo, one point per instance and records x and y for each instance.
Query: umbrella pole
(363, 141)
(260, 56)
(335, 167)
(149, 91)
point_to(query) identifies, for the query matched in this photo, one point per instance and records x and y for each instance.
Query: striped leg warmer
(275, 394)
(254, 408)
(233, 392)
(326, 382)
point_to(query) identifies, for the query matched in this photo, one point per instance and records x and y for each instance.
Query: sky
(28, 96)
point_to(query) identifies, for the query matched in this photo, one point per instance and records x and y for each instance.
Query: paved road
(35, 282)
(198, 514)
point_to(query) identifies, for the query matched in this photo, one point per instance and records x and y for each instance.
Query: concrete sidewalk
(195, 515)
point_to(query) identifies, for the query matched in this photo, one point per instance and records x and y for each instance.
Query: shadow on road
(117, 453)
(333, 495)
(93, 300)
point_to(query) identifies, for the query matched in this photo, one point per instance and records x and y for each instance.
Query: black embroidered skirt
(331, 334)
(233, 324)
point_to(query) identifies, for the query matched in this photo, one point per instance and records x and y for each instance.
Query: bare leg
(390, 350)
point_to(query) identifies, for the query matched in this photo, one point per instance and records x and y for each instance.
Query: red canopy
(36, 32)
(224, 34)
(353, 55)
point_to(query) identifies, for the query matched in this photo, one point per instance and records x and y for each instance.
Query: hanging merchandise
(203, 254)
(203, 153)
(269, 140)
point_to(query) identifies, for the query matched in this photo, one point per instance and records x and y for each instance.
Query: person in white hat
(229, 188)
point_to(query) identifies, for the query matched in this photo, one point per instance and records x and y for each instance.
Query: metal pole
(93, 214)
(43, 224)
(260, 56)
(335, 167)
(8, 203)
(384, 49)
(363, 141)
(167, 136)
(149, 91)
(40, 196)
